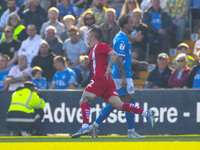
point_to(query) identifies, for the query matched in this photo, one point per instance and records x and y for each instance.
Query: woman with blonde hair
(129, 6)
(19, 29)
(179, 76)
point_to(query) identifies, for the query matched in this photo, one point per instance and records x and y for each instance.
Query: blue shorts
(124, 91)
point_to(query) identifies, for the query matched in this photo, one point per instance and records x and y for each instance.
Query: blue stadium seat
(118, 12)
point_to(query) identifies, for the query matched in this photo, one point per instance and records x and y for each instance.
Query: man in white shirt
(18, 74)
(12, 7)
(30, 46)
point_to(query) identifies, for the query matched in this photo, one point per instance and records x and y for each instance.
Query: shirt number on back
(90, 84)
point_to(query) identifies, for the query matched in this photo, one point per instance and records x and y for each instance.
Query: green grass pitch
(149, 138)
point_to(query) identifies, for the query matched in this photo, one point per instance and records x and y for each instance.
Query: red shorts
(102, 87)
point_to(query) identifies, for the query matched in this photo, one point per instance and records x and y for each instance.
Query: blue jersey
(41, 83)
(62, 79)
(122, 46)
(3, 76)
(196, 82)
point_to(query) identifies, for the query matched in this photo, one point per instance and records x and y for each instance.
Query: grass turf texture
(161, 142)
(152, 138)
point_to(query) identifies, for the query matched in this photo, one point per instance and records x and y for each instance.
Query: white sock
(96, 125)
(131, 130)
(85, 125)
(144, 113)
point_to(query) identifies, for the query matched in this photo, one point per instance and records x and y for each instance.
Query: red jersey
(99, 58)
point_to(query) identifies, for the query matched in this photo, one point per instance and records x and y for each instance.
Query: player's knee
(118, 106)
(84, 100)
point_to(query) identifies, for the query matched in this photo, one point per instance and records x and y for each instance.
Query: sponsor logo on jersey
(122, 46)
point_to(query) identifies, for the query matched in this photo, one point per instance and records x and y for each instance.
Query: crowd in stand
(45, 40)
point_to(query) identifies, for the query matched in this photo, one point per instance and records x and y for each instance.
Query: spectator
(129, 6)
(69, 21)
(2, 7)
(12, 7)
(147, 3)
(32, 13)
(20, 2)
(158, 78)
(110, 27)
(53, 21)
(11, 46)
(30, 46)
(138, 36)
(64, 78)
(115, 4)
(39, 81)
(4, 70)
(73, 48)
(44, 59)
(67, 8)
(179, 76)
(78, 3)
(178, 10)
(54, 41)
(197, 46)
(160, 26)
(193, 80)
(18, 74)
(25, 112)
(98, 11)
(88, 21)
(19, 29)
(183, 48)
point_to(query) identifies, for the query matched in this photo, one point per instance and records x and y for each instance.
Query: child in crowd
(39, 81)
(183, 48)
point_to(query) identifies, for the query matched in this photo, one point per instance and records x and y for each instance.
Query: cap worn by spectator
(182, 45)
(163, 55)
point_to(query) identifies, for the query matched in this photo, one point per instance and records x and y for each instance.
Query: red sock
(85, 109)
(132, 108)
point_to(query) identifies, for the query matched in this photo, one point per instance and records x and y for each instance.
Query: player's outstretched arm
(139, 63)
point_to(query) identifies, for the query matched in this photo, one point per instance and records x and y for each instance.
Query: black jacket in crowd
(166, 21)
(160, 80)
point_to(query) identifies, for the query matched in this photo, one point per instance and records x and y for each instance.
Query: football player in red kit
(102, 84)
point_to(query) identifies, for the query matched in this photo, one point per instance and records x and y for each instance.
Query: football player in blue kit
(124, 83)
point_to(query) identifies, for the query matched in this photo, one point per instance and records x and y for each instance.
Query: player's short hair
(97, 31)
(53, 9)
(5, 56)
(69, 17)
(35, 70)
(110, 10)
(60, 58)
(123, 19)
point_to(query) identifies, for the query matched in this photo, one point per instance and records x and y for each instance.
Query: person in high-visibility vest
(26, 109)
